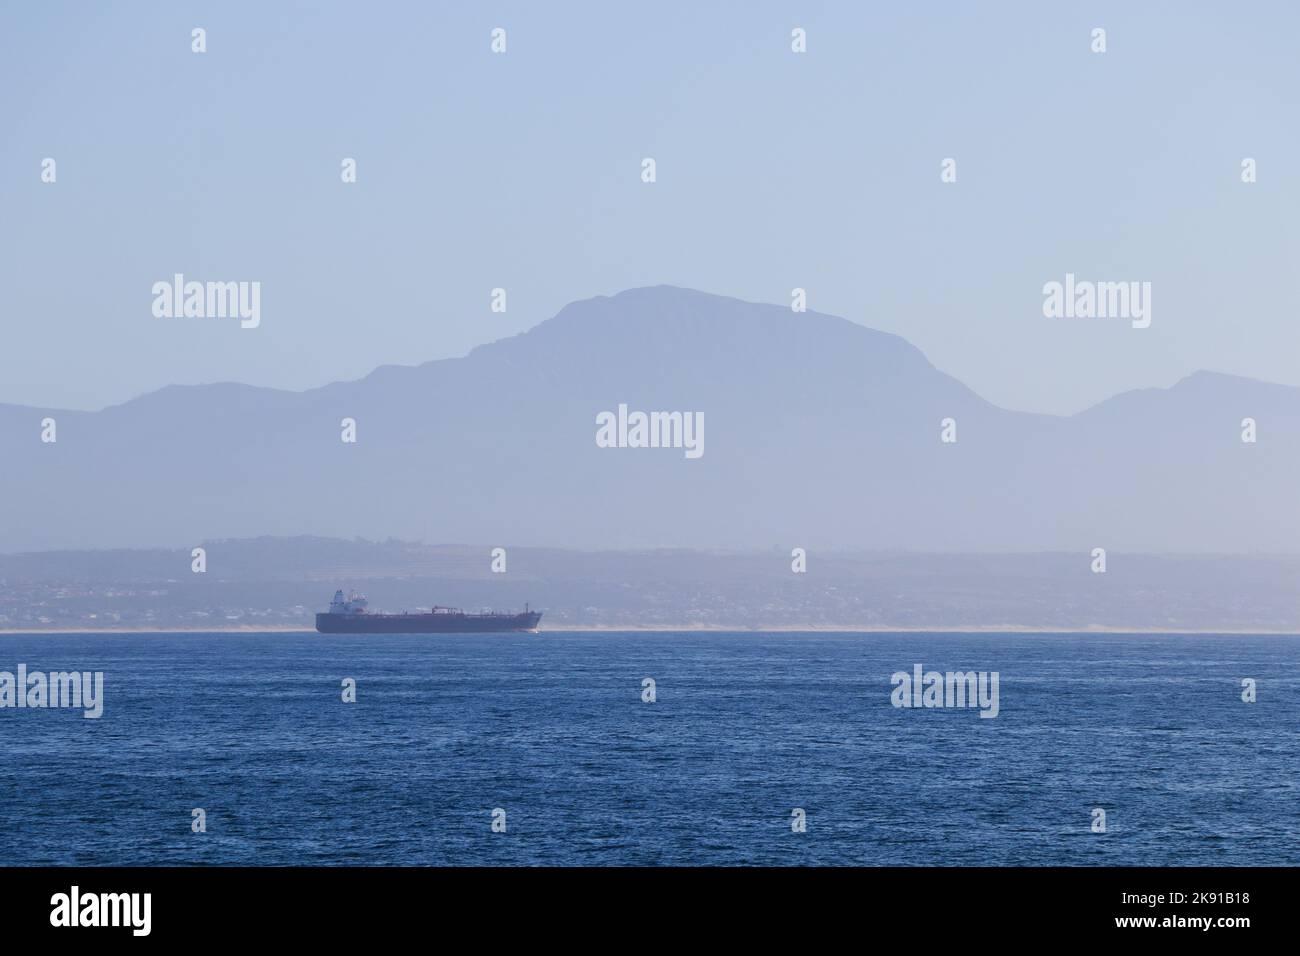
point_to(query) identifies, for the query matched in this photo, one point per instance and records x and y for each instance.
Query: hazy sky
(522, 170)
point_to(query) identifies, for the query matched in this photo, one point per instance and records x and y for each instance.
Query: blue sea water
(552, 729)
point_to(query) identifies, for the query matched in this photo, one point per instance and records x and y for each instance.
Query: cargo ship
(353, 616)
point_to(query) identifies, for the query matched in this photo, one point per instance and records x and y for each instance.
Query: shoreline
(701, 629)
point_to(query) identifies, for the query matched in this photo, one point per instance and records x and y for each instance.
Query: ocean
(549, 735)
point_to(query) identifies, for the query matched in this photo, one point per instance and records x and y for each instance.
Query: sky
(522, 170)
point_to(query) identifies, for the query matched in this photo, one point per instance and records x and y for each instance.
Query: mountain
(819, 433)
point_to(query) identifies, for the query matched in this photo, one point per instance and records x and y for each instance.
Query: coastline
(702, 629)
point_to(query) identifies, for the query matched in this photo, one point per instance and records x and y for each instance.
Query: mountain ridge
(820, 432)
(396, 367)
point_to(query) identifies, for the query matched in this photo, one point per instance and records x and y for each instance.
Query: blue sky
(521, 170)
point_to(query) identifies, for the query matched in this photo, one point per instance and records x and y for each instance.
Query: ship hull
(426, 623)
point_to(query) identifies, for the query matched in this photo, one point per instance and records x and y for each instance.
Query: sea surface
(745, 728)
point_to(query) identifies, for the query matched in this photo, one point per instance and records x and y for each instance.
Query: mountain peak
(819, 431)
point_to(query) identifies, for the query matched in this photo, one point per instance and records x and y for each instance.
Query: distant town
(279, 583)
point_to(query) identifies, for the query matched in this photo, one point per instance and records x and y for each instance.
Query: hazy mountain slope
(818, 432)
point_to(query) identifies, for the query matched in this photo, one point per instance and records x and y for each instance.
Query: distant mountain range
(820, 433)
